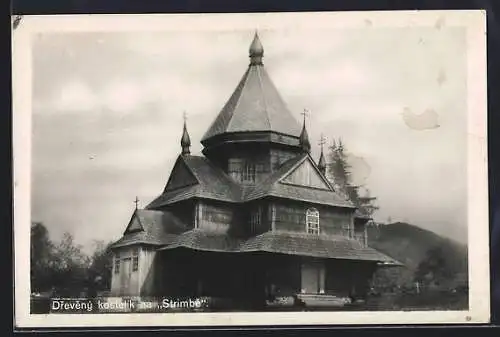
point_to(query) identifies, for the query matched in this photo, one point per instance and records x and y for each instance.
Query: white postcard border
(478, 237)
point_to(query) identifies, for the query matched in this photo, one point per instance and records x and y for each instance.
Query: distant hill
(444, 259)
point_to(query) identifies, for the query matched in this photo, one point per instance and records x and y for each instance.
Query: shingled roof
(290, 243)
(273, 186)
(211, 183)
(156, 228)
(321, 246)
(205, 240)
(255, 105)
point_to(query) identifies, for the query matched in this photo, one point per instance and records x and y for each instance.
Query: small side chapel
(252, 219)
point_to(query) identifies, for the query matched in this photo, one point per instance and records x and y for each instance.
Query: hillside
(444, 260)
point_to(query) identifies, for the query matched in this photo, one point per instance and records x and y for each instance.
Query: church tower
(255, 132)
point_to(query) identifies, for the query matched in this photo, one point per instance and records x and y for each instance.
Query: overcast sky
(108, 107)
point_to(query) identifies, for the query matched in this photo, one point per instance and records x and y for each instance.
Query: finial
(256, 50)
(136, 202)
(304, 138)
(322, 141)
(185, 140)
(322, 161)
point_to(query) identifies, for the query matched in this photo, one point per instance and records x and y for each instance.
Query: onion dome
(185, 140)
(322, 163)
(256, 51)
(304, 138)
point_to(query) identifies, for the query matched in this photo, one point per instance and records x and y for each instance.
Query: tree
(69, 266)
(40, 257)
(339, 167)
(340, 171)
(64, 267)
(101, 265)
(434, 268)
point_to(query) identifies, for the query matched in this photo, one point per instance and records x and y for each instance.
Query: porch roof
(321, 246)
(204, 240)
(299, 244)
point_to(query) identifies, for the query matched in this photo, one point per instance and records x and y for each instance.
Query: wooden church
(252, 220)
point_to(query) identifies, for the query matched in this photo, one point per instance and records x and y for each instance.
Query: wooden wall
(214, 216)
(360, 235)
(266, 160)
(279, 156)
(360, 231)
(236, 219)
(259, 159)
(291, 216)
(184, 210)
(264, 225)
(306, 175)
(125, 272)
(147, 271)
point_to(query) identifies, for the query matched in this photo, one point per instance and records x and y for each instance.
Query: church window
(135, 259)
(117, 263)
(312, 221)
(249, 172)
(346, 229)
(255, 220)
(243, 170)
(235, 167)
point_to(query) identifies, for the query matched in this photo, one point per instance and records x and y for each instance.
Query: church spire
(304, 138)
(322, 161)
(185, 140)
(256, 51)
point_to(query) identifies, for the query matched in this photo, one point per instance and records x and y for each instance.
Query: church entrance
(312, 277)
(125, 274)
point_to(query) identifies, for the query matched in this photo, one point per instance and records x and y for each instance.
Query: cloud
(75, 95)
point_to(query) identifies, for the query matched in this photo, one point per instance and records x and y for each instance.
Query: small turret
(304, 137)
(185, 140)
(322, 161)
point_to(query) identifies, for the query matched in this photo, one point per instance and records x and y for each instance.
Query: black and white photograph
(250, 169)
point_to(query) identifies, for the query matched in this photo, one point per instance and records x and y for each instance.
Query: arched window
(312, 221)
